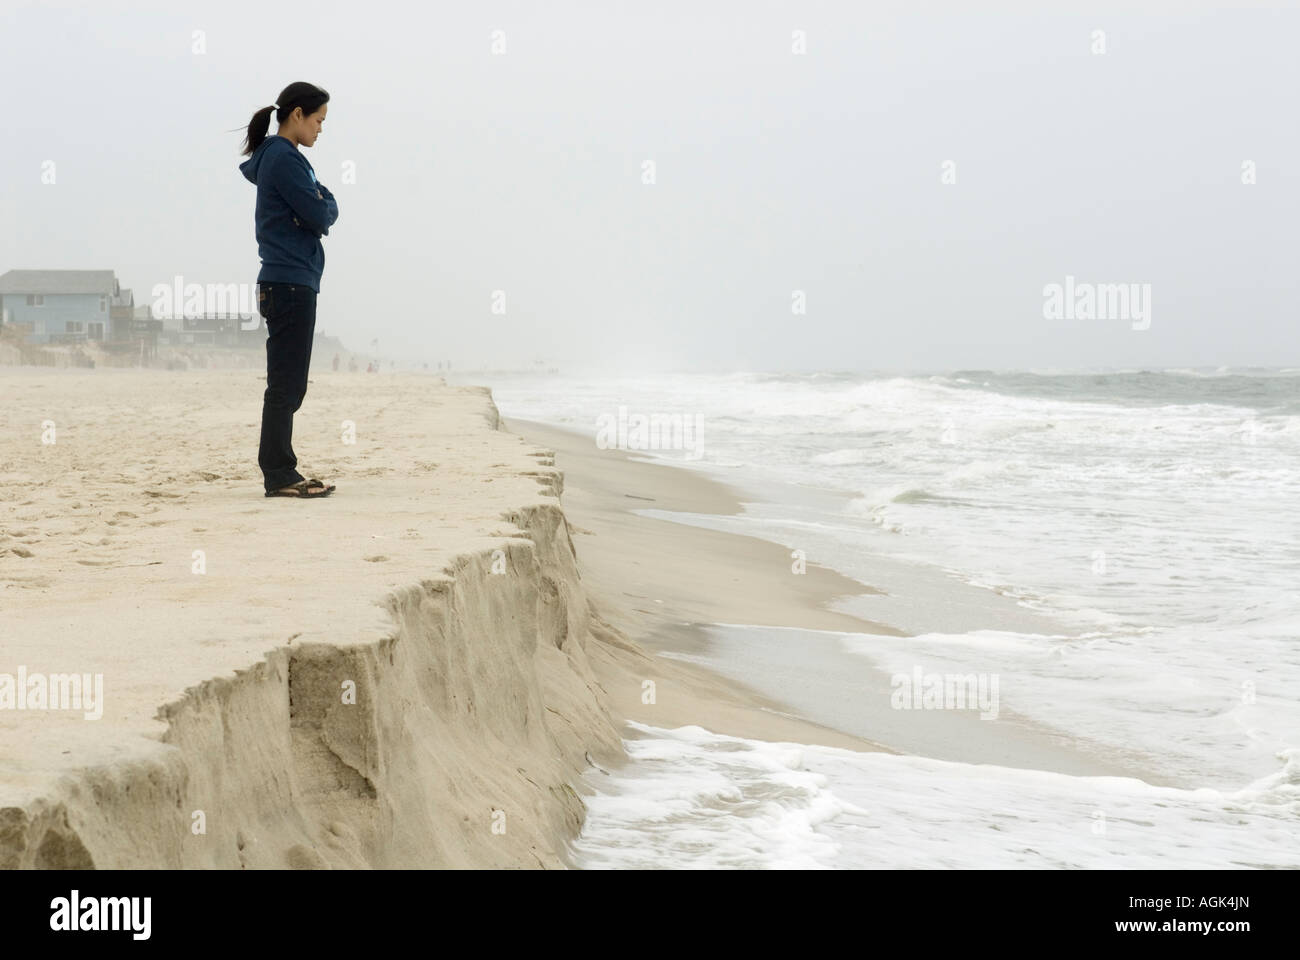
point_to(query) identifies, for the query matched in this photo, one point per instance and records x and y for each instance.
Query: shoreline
(631, 567)
(703, 577)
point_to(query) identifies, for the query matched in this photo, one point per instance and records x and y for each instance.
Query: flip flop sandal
(300, 490)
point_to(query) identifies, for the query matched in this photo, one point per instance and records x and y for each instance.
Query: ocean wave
(843, 457)
(696, 799)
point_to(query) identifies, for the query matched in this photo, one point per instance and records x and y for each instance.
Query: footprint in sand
(301, 857)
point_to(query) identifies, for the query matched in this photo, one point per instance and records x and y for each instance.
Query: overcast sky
(775, 171)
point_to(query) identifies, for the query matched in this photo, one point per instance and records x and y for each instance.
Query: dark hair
(300, 94)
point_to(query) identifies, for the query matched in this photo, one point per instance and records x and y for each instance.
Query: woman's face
(309, 127)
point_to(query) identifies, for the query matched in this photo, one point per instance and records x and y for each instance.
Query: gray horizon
(776, 171)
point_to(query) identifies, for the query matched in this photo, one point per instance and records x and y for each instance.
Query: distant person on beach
(294, 210)
(336, 361)
(352, 364)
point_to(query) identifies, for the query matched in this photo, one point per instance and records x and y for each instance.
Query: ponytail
(299, 94)
(257, 129)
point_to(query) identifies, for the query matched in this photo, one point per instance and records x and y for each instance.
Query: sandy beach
(411, 673)
(396, 676)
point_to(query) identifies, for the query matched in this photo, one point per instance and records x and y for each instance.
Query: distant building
(121, 314)
(170, 324)
(59, 306)
(222, 329)
(77, 306)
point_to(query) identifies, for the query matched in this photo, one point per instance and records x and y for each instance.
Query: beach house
(61, 306)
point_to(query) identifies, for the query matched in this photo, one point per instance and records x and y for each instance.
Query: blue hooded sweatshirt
(294, 211)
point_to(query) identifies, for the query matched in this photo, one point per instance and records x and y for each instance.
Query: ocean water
(695, 799)
(1147, 517)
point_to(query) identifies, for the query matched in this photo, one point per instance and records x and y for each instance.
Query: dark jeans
(290, 314)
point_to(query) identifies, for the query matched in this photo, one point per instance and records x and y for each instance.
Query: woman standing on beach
(294, 210)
